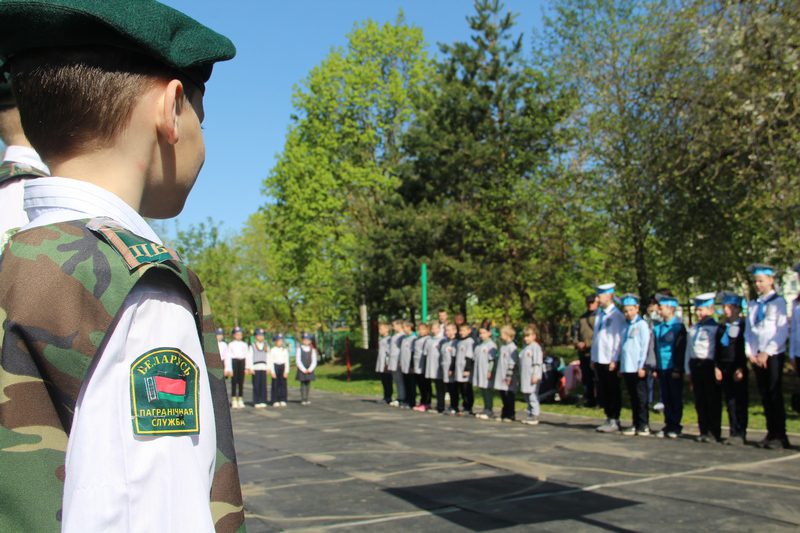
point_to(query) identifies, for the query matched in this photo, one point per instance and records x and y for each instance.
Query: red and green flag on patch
(165, 388)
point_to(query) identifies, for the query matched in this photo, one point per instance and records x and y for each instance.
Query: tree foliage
(648, 143)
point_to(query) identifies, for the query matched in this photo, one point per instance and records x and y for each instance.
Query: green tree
(214, 258)
(618, 56)
(340, 159)
(733, 186)
(483, 200)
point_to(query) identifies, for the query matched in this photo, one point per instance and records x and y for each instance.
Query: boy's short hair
(423, 325)
(408, 324)
(508, 331)
(74, 100)
(465, 325)
(531, 329)
(397, 322)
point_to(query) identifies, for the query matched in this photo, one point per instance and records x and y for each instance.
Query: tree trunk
(526, 303)
(640, 263)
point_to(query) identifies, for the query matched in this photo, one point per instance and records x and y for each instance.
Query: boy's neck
(108, 169)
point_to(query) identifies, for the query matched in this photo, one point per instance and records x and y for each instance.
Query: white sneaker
(260, 405)
(610, 426)
(394, 403)
(658, 407)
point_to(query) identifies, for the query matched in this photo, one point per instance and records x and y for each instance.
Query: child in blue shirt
(670, 350)
(635, 343)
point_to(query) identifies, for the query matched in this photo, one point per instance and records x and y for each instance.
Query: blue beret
(277, 337)
(145, 27)
(757, 269)
(307, 336)
(236, 329)
(730, 298)
(220, 331)
(796, 268)
(629, 299)
(258, 331)
(669, 301)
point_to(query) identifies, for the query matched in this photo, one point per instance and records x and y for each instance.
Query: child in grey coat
(531, 360)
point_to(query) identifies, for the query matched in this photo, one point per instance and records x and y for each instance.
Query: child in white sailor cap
(606, 347)
(766, 332)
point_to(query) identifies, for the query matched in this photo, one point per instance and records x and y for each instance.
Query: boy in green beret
(115, 413)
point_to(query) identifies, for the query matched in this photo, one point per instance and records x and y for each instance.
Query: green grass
(364, 382)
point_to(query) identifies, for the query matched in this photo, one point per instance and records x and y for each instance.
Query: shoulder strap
(11, 170)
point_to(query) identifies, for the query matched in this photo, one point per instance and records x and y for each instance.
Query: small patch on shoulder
(164, 393)
(135, 250)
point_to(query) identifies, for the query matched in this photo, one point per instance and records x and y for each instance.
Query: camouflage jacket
(48, 344)
(9, 170)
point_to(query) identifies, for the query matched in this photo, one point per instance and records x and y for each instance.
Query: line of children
(713, 356)
(259, 359)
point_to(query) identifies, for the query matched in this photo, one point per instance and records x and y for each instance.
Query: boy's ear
(172, 102)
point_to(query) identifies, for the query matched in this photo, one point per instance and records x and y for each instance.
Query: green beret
(146, 27)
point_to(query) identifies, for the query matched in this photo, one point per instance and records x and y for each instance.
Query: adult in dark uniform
(583, 333)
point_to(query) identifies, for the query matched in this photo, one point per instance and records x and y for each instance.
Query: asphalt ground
(350, 463)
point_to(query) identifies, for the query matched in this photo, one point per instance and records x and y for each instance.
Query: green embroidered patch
(136, 250)
(164, 396)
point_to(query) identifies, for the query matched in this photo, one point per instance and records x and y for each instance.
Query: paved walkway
(350, 463)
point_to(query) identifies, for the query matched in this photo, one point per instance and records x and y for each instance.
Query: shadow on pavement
(504, 501)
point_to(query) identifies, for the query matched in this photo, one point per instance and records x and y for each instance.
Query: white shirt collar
(53, 200)
(25, 155)
(765, 297)
(609, 308)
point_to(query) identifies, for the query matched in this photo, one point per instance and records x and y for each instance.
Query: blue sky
(248, 99)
